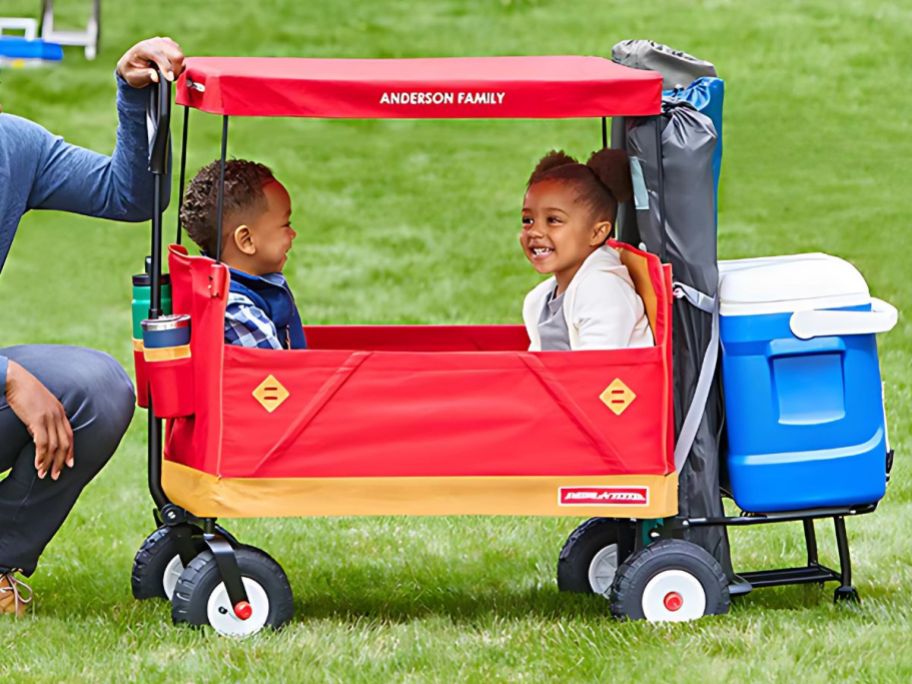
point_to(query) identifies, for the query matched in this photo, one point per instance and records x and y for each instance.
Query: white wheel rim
(172, 573)
(673, 596)
(221, 613)
(602, 569)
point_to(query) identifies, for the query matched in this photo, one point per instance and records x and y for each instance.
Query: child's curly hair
(244, 181)
(602, 182)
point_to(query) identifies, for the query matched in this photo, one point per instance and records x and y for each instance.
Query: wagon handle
(158, 125)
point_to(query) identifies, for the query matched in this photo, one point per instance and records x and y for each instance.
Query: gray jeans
(98, 399)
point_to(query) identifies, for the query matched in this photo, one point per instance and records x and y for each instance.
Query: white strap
(707, 372)
(702, 301)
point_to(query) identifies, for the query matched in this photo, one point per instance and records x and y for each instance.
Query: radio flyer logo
(603, 496)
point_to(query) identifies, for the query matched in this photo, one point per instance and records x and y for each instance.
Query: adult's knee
(94, 390)
(99, 394)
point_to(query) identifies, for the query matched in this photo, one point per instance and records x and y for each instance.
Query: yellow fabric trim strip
(167, 353)
(206, 495)
(137, 345)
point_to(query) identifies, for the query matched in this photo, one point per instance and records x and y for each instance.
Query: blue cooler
(803, 394)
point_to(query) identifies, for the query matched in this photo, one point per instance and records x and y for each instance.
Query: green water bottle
(142, 296)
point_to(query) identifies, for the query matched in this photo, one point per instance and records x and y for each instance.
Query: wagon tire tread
(581, 546)
(201, 577)
(149, 565)
(630, 579)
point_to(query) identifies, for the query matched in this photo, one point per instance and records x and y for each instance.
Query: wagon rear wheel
(592, 553)
(670, 581)
(201, 598)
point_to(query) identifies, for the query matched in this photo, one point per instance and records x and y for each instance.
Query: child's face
(271, 232)
(558, 233)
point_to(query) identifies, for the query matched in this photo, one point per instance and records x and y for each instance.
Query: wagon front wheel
(200, 597)
(592, 553)
(670, 581)
(157, 565)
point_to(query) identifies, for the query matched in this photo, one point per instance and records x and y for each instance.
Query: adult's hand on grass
(44, 418)
(135, 65)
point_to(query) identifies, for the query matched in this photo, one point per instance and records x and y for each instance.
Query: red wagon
(406, 420)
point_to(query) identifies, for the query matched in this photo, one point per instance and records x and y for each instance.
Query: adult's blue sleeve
(119, 187)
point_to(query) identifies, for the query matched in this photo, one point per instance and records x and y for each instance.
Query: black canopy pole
(183, 171)
(660, 180)
(221, 191)
(604, 132)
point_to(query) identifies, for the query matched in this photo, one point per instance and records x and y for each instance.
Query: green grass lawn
(415, 221)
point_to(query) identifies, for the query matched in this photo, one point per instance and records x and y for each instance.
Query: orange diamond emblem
(617, 396)
(270, 393)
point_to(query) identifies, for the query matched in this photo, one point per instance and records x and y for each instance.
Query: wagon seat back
(649, 280)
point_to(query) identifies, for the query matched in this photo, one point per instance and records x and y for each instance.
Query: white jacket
(601, 306)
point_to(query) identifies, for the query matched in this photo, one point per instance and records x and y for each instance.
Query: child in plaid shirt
(256, 238)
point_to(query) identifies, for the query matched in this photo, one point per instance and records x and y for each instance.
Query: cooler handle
(881, 318)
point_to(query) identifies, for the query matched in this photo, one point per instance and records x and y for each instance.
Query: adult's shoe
(15, 595)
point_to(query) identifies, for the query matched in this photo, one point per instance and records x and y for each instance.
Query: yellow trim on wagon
(207, 495)
(167, 353)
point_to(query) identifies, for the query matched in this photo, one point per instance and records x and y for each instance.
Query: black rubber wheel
(592, 554)
(157, 565)
(670, 580)
(201, 598)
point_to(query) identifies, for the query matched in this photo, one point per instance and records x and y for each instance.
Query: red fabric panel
(457, 87)
(441, 414)
(374, 401)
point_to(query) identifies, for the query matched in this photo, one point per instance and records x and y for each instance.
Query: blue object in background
(706, 94)
(14, 47)
(805, 418)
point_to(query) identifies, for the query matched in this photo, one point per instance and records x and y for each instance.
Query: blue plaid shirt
(247, 326)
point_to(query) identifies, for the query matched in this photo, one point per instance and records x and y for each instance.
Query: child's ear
(243, 240)
(601, 231)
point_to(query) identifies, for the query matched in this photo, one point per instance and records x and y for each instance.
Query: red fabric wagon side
(422, 420)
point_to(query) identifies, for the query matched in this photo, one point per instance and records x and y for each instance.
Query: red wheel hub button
(244, 610)
(673, 601)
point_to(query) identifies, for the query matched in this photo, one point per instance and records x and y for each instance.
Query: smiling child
(568, 213)
(256, 238)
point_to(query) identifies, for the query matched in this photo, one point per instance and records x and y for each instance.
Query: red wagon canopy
(434, 88)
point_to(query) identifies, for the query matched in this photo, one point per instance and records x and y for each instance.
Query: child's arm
(246, 325)
(606, 312)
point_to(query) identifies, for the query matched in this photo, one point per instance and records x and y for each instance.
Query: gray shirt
(552, 325)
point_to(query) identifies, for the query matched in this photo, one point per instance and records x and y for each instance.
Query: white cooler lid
(795, 282)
